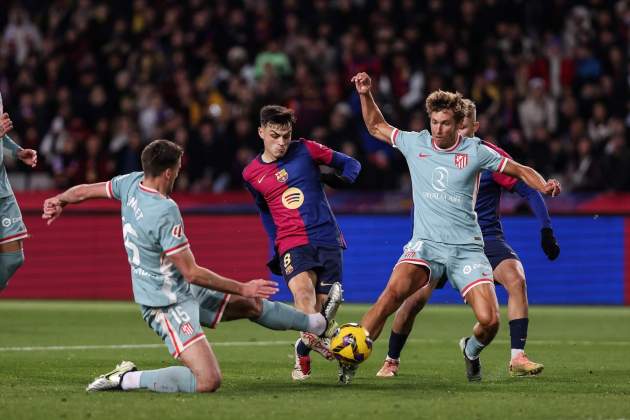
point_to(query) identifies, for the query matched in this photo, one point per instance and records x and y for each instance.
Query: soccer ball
(351, 344)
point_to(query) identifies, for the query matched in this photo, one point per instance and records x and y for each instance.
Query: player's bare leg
(511, 275)
(405, 280)
(200, 373)
(200, 359)
(302, 287)
(401, 328)
(483, 301)
(11, 259)
(305, 299)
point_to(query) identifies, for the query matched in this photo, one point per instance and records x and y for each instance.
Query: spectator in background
(69, 70)
(585, 171)
(21, 35)
(538, 110)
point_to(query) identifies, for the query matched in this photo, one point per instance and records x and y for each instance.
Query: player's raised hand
(52, 209)
(552, 187)
(260, 288)
(28, 156)
(6, 124)
(362, 82)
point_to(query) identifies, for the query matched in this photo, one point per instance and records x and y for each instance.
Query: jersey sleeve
(116, 186)
(321, 154)
(171, 232)
(403, 140)
(10, 145)
(324, 155)
(505, 181)
(490, 159)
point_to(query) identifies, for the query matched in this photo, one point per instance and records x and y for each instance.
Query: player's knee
(394, 296)
(209, 384)
(415, 303)
(489, 320)
(254, 309)
(516, 286)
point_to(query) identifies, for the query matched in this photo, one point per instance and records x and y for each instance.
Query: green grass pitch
(49, 351)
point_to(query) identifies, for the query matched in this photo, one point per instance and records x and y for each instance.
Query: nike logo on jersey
(485, 274)
(261, 178)
(423, 155)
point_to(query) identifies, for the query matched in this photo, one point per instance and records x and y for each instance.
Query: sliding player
(176, 295)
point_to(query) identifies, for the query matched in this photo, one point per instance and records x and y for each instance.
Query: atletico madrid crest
(461, 160)
(187, 328)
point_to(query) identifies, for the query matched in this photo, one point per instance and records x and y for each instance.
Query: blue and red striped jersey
(290, 197)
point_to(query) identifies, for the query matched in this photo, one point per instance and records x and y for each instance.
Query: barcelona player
(176, 295)
(285, 183)
(12, 228)
(446, 240)
(507, 268)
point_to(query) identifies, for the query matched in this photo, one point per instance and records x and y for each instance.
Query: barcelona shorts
(465, 266)
(497, 250)
(12, 226)
(325, 261)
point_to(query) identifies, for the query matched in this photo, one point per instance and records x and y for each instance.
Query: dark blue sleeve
(535, 201)
(348, 166)
(265, 214)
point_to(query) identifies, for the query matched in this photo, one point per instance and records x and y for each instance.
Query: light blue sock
(170, 379)
(9, 263)
(279, 316)
(473, 348)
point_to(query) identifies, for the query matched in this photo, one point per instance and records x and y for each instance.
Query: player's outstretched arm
(532, 178)
(195, 274)
(28, 156)
(372, 115)
(54, 206)
(537, 204)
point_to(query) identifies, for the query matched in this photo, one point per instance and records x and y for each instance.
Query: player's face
(276, 139)
(469, 127)
(444, 128)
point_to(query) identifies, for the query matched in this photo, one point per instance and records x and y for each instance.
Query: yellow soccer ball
(351, 344)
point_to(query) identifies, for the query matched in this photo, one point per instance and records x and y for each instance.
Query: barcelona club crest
(282, 175)
(461, 160)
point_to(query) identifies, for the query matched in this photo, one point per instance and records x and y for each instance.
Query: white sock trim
(517, 352)
(131, 380)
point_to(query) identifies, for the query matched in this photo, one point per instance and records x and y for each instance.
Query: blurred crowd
(88, 83)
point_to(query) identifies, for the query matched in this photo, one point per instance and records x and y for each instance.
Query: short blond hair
(441, 100)
(470, 109)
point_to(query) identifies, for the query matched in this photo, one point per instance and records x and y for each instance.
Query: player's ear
(476, 125)
(261, 133)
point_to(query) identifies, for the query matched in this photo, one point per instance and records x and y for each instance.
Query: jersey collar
(149, 190)
(450, 149)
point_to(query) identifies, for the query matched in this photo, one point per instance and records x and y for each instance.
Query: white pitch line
(288, 343)
(143, 346)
